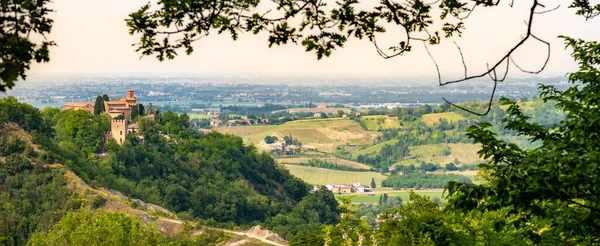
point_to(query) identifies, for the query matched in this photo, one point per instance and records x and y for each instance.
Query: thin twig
(462, 58)
(437, 68)
(546, 11)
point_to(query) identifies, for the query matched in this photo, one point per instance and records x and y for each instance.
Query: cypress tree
(99, 105)
(373, 184)
(141, 109)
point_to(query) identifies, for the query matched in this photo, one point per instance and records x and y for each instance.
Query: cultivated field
(404, 194)
(330, 159)
(322, 134)
(321, 176)
(430, 119)
(380, 122)
(200, 116)
(465, 153)
(373, 149)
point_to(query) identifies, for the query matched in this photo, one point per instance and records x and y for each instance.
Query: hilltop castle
(119, 128)
(123, 106)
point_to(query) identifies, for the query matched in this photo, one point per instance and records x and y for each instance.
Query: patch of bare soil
(260, 232)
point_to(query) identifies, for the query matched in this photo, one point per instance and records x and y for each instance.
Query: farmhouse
(347, 188)
(216, 122)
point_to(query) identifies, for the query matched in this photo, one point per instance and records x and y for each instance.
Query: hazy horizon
(92, 40)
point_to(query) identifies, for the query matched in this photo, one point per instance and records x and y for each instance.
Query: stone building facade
(87, 106)
(123, 106)
(119, 128)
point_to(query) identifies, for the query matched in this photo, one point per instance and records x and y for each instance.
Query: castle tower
(118, 130)
(130, 94)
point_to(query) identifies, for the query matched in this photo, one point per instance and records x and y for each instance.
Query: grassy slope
(365, 198)
(465, 153)
(320, 176)
(323, 134)
(430, 119)
(330, 159)
(373, 149)
(200, 116)
(380, 122)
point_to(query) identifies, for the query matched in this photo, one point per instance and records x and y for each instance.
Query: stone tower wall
(118, 130)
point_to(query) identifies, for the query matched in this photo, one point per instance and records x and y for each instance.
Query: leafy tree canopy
(19, 19)
(319, 26)
(551, 189)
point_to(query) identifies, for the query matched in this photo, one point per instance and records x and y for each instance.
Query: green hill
(431, 119)
(379, 122)
(373, 149)
(208, 177)
(330, 159)
(320, 176)
(322, 134)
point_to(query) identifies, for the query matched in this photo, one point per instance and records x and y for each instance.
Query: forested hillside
(205, 177)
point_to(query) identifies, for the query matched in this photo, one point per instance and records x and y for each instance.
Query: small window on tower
(121, 133)
(120, 140)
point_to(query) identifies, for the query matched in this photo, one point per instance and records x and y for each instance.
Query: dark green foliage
(211, 176)
(422, 180)
(451, 167)
(135, 111)
(373, 184)
(310, 238)
(20, 19)
(32, 197)
(142, 110)
(312, 214)
(270, 139)
(314, 162)
(387, 155)
(419, 222)
(25, 115)
(98, 228)
(321, 27)
(553, 186)
(99, 105)
(11, 145)
(81, 129)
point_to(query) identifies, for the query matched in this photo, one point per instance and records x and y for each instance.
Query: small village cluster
(356, 187)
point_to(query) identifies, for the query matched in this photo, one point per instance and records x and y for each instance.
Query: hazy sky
(92, 39)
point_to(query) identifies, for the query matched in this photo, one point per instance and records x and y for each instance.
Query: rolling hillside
(380, 122)
(371, 150)
(320, 176)
(430, 119)
(434, 153)
(322, 134)
(330, 159)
